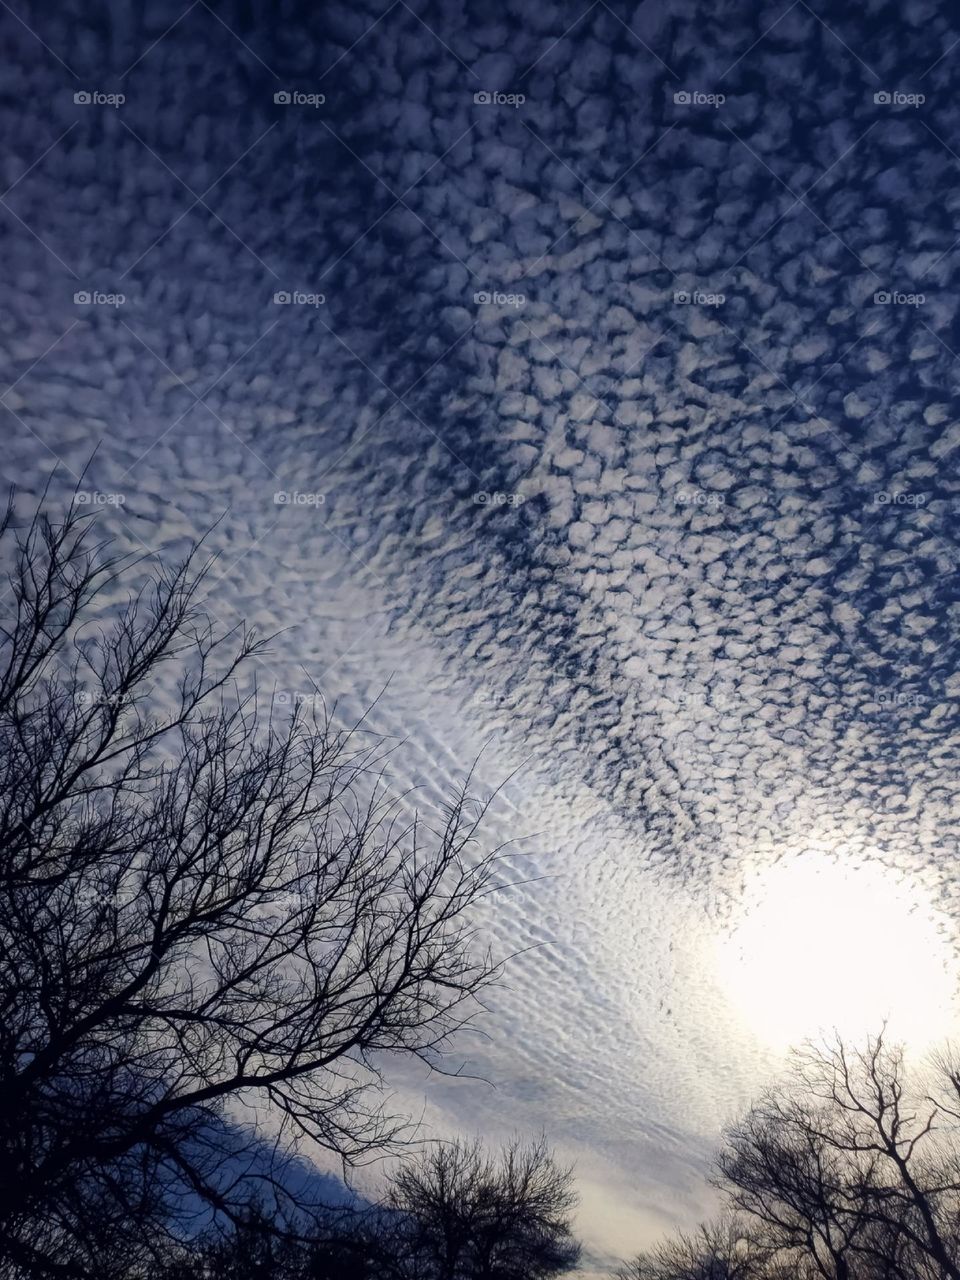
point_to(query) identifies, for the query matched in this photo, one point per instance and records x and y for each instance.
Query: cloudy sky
(588, 372)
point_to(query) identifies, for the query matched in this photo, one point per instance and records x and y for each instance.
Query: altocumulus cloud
(591, 370)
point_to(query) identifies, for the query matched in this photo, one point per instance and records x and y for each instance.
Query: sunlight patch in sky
(821, 945)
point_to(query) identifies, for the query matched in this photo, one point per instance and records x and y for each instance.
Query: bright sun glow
(819, 945)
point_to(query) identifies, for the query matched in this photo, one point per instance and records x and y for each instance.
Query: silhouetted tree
(464, 1215)
(254, 1249)
(848, 1165)
(454, 1214)
(723, 1250)
(845, 1170)
(198, 906)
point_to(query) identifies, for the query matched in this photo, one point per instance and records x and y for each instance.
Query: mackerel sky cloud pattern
(586, 371)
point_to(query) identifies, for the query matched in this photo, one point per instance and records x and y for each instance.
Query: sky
(581, 378)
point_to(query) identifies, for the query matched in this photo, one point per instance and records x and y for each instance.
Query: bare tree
(200, 907)
(465, 1215)
(356, 1243)
(781, 1171)
(846, 1169)
(722, 1250)
(849, 1167)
